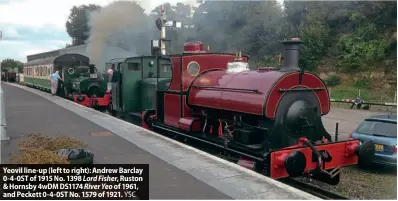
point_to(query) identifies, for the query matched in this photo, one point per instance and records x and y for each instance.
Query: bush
(41, 149)
(361, 50)
(333, 81)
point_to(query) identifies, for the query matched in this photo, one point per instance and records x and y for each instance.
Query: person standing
(54, 82)
(110, 74)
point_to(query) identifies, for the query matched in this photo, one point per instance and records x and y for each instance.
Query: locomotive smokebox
(291, 54)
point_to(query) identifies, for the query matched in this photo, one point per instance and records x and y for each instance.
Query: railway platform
(177, 171)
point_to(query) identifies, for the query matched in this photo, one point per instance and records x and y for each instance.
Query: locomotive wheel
(110, 108)
(94, 91)
(148, 119)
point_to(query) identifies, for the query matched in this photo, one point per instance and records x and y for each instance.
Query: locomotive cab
(141, 77)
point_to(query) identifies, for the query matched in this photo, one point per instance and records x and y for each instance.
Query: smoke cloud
(120, 29)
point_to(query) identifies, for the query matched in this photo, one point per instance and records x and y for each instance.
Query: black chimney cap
(293, 41)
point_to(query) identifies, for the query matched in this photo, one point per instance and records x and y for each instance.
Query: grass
(348, 91)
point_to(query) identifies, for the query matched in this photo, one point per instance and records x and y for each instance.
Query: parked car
(382, 129)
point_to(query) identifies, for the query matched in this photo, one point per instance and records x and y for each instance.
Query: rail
(313, 190)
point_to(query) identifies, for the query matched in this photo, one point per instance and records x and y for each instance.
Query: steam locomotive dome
(193, 47)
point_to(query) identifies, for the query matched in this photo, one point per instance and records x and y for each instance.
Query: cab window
(166, 68)
(133, 66)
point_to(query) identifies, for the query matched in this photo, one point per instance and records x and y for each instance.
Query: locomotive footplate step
(177, 171)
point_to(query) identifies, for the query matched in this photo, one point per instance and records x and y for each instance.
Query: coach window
(133, 66)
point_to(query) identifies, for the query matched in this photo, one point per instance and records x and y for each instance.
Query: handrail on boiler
(228, 89)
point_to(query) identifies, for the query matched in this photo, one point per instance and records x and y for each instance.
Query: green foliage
(363, 83)
(360, 51)
(350, 92)
(351, 36)
(77, 24)
(314, 46)
(11, 64)
(333, 81)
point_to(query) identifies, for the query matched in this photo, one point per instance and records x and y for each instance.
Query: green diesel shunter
(134, 83)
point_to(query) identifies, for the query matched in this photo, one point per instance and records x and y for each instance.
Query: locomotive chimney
(291, 52)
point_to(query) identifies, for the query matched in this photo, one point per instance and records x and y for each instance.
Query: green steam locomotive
(81, 81)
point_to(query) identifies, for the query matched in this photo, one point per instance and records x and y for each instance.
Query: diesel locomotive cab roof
(123, 59)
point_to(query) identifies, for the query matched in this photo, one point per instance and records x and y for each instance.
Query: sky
(35, 26)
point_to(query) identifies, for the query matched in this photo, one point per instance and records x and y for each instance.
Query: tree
(11, 64)
(77, 24)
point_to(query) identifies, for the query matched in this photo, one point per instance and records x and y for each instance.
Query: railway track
(313, 190)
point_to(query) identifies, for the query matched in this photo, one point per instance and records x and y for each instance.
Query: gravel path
(377, 183)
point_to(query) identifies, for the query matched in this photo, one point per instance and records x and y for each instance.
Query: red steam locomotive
(270, 117)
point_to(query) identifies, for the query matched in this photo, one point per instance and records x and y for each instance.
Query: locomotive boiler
(269, 117)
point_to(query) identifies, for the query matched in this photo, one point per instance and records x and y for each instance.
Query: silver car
(382, 130)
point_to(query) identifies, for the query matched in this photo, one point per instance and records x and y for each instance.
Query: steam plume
(121, 29)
